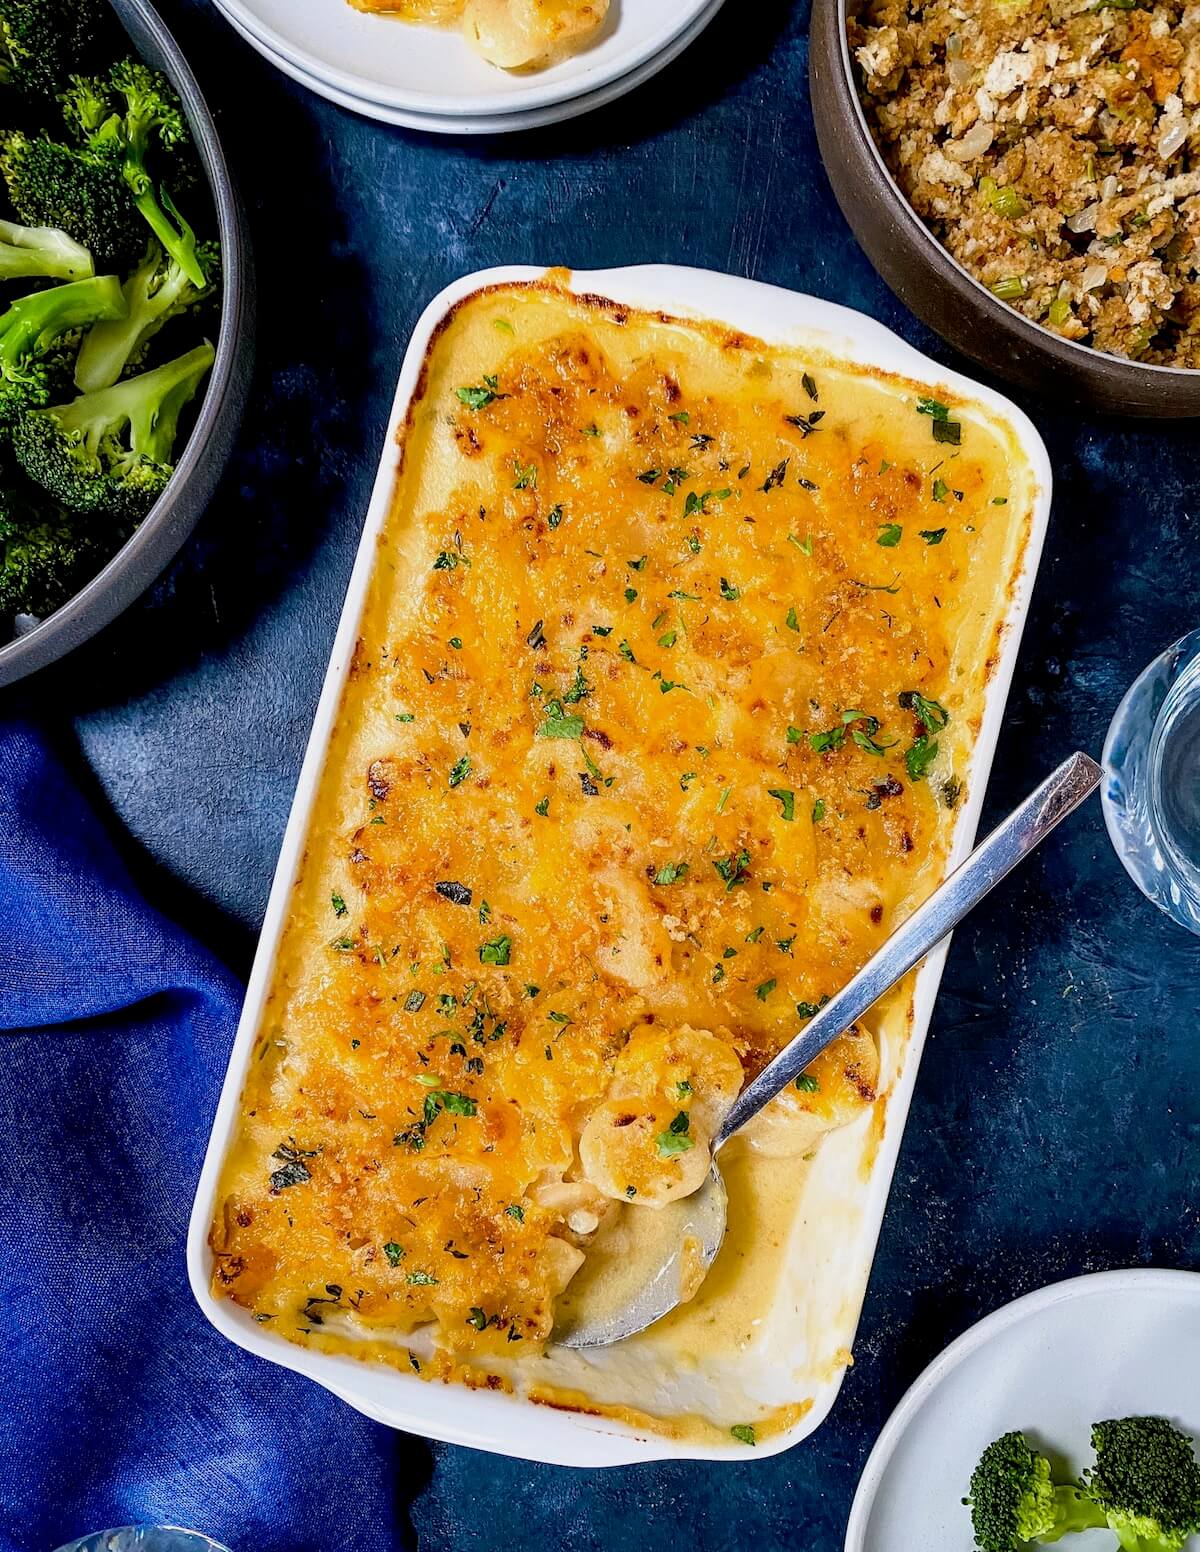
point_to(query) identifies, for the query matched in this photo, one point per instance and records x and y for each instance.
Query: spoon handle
(1008, 844)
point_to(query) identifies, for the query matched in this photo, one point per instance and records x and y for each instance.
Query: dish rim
(998, 312)
(1117, 1279)
(454, 1413)
(161, 533)
(480, 124)
(541, 93)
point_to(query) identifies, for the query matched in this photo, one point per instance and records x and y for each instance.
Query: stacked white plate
(428, 77)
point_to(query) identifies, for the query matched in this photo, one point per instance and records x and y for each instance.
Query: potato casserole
(664, 698)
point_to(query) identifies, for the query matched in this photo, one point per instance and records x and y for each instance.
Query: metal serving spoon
(688, 1232)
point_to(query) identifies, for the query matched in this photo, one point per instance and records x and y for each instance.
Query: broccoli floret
(46, 555)
(79, 190)
(1146, 1483)
(111, 451)
(157, 291)
(43, 42)
(1014, 1499)
(41, 251)
(124, 118)
(33, 325)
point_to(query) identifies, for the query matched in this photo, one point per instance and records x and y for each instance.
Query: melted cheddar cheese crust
(664, 700)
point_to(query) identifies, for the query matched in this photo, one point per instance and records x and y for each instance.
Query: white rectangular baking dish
(838, 1267)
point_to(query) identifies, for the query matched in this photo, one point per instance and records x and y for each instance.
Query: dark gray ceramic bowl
(936, 287)
(177, 511)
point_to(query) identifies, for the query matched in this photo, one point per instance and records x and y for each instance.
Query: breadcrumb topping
(1053, 147)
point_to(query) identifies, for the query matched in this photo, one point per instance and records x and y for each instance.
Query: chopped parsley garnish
(889, 535)
(667, 639)
(818, 811)
(805, 545)
(940, 489)
(932, 713)
(293, 1171)
(526, 475)
(944, 429)
(496, 952)
(795, 735)
(764, 990)
(637, 565)
(864, 736)
(339, 905)
(480, 397)
(649, 476)
(671, 872)
(823, 743)
(807, 1084)
(675, 1139)
(394, 1253)
(448, 560)
(809, 384)
(807, 1010)
(457, 894)
(559, 724)
(414, 1002)
(920, 757)
(744, 1433)
(460, 770)
(791, 622)
(515, 1210)
(422, 1280)
(626, 651)
(630, 594)
(776, 477)
(579, 688)
(933, 535)
(542, 807)
(734, 869)
(554, 517)
(728, 590)
(786, 798)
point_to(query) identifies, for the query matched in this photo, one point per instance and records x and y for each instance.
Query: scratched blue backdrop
(1056, 1119)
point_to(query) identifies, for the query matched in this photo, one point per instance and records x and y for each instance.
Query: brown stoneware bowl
(936, 287)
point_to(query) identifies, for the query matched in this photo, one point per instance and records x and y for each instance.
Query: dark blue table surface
(1057, 1116)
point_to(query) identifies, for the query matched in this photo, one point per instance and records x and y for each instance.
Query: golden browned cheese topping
(663, 702)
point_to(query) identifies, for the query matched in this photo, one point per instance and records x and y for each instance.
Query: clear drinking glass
(1151, 791)
(145, 1538)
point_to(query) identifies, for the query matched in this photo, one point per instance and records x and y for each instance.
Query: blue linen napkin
(118, 1402)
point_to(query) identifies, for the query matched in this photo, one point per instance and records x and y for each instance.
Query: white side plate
(433, 70)
(842, 1240)
(1116, 1344)
(479, 124)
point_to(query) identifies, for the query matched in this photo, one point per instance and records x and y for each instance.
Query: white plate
(1115, 1344)
(396, 63)
(479, 124)
(796, 1349)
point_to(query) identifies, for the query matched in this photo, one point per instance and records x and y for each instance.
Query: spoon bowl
(631, 1280)
(634, 1281)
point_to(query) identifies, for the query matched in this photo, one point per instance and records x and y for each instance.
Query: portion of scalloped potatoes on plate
(513, 34)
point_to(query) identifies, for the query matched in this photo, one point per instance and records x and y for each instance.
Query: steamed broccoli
(79, 190)
(42, 42)
(122, 119)
(111, 451)
(41, 251)
(157, 291)
(1146, 1483)
(46, 555)
(1014, 1499)
(33, 325)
